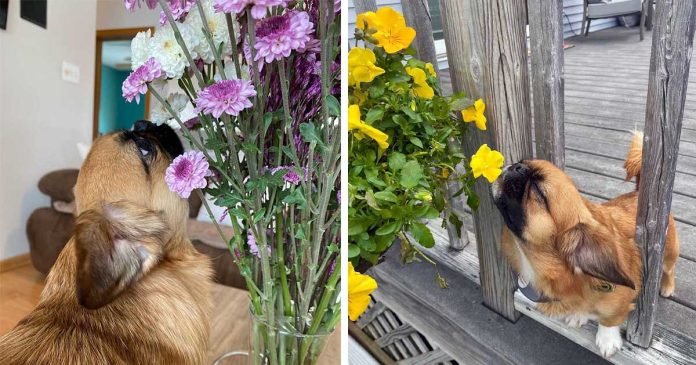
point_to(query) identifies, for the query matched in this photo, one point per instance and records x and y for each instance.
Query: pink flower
(131, 4)
(277, 36)
(226, 96)
(290, 176)
(186, 173)
(259, 8)
(253, 247)
(136, 83)
(179, 9)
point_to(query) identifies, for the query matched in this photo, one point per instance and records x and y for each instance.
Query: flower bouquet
(402, 129)
(260, 80)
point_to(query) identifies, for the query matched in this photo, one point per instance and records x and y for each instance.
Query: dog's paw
(608, 340)
(667, 291)
(576, 320)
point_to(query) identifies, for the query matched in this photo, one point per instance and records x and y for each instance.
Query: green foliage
(393, 191)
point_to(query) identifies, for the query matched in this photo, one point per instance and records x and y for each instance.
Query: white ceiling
(117, 54)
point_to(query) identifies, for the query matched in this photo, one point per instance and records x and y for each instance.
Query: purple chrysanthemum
(226, 96)
(259, 8)
(253, 247)
(290, 176)
(131, 4)
(277, 36)
(179, 9)
(136, 83)
(186, 173)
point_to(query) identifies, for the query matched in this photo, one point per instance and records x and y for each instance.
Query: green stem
(321, 309)
(211, 43)
(233, 42)
(281, 265)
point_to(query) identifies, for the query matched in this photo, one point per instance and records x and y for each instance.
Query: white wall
(41, 117)
(111, 14)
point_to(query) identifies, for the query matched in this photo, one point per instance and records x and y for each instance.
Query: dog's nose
(519, 168)
(142, 126)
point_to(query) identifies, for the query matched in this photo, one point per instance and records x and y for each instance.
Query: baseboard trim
(14, 262)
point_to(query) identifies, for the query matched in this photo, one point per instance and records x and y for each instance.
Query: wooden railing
(487, 55)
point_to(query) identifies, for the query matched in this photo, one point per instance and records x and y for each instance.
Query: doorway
(112, 67)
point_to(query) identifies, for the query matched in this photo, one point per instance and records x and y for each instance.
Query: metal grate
(403, 343)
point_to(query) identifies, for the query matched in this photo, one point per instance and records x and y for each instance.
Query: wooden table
(230, 328)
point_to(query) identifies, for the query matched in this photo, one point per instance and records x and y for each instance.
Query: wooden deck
(606, 76)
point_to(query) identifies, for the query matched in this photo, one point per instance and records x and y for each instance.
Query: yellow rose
(392, 33)
(474, 113)
(360, 286)
(421, 88)
(361, 129)
(361, 66)
(487, 162)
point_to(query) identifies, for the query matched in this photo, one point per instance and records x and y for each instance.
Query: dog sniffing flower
(279, 35)
(187, 172)
(474, 113)
(226, 96)
(360, 286)
(361, 66)
(136, 83)
(361, 129)
(487, 162)
(421, 88)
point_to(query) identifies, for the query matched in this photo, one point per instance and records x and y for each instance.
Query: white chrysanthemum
(167, 51)
(141, 48)
(217, 24)
(178, 102)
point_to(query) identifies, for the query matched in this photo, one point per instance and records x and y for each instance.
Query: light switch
(71, 72)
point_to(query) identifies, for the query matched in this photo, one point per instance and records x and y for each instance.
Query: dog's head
(126, 214)
(542, 207)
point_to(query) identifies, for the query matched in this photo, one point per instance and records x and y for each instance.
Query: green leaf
(411, 174)
(386, 196)
(374, 114)
(367, 245)
(371, 201)
(388, 228)
(422, 234)
(416, 141)
(333, 105)
(296, 198)
(396, 161)
(259, 215)
(353, 251)
(310, 134)
(267, 120)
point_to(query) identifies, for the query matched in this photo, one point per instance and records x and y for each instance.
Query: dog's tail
(634, 158)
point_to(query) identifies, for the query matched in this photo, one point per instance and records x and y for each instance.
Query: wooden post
(487, 54)
(417, 16)
(362, 6)
(672, 42)
(546, 39)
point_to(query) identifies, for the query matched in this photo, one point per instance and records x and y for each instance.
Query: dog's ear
(586, 252)
(115, 246)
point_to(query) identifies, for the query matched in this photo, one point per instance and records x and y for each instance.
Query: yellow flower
(421, 88)
(361, 129)
(430, 68)
(487, 162)
(361, 66)
(367, 20)
(445, 173)
(392, 33)
(474, 113)
(360, 286)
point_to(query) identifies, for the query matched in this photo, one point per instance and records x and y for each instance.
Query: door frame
(111, 35)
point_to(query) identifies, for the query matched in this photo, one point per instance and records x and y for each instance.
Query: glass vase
(278, 342)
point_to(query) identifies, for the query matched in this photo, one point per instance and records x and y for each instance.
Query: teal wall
(114, 112)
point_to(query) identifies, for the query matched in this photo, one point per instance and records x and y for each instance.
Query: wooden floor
(606, 77)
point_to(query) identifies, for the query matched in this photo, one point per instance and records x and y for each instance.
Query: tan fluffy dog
(580, 255)
(129, 288)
